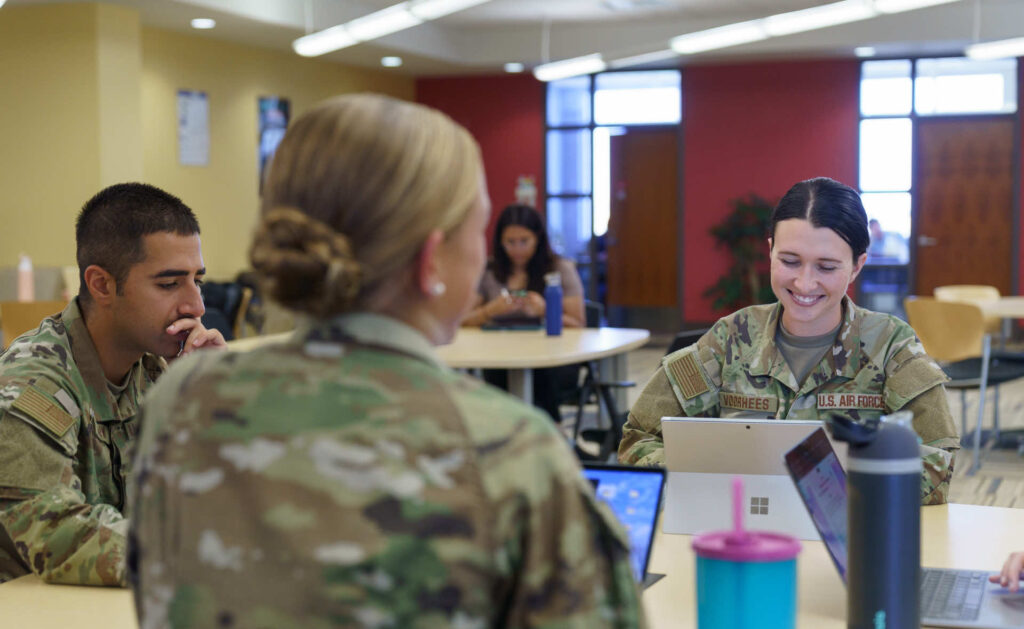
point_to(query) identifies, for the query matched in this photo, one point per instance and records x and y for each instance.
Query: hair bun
(304, 264)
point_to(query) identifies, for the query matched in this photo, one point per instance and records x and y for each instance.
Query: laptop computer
(703, 455)
(949, 598)
(634, 495)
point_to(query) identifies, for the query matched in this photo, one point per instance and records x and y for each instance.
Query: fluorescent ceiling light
(721, 37)
(384, 22)
(1001, 49)
(818, 17)
(864, 51)
(397, 17)
(2, 2)
(323, 42)
(635, 60)
(432, 9)
(514, 67)
(201, 23)
(566, 68)
(391, 62)
(898, 6)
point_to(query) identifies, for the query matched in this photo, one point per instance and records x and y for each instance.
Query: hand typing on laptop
(1010, 576)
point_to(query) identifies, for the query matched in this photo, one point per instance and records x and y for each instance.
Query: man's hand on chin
(199, 337)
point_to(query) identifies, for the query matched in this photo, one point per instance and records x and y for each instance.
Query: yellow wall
(224, 194)
(90, 98)
(49, 142)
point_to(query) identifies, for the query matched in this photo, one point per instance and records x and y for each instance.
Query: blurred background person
(512, 289)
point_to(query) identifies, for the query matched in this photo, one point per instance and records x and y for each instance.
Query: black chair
(222, 301)
(685, 339)
(592, 388)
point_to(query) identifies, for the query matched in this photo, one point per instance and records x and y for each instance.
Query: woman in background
(511, 294)
(812, 354)
(513, 286)
(345, 477)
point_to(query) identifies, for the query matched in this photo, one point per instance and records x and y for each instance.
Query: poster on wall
(274, 114)
(193, 128)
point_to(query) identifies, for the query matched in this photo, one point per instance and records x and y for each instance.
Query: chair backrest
(593, 311)
(966, 292)
(948, 330)
(18, 317)
(685, 339)
(971, 293)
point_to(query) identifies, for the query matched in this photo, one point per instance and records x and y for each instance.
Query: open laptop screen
(634, 494)
(820, 479)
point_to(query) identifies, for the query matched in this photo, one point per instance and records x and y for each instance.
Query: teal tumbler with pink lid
(745, 579)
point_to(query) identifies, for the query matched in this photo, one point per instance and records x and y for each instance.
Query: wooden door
(964, 189)
(642, 266)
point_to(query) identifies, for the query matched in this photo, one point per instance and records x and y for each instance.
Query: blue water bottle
(883, 522)
(553, 304)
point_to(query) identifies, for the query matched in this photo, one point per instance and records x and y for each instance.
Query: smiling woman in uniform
(813, 353)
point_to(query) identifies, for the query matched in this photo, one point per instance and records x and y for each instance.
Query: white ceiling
(481, 39)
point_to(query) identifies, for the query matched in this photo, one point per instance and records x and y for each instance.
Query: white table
(1006, 308)
(953, 536)
(521, 351)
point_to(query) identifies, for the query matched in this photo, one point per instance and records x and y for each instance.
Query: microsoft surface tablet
(702, 456)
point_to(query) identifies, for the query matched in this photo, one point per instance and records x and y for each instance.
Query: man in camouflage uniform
(876, 366)
(346, 478)
(70, 390)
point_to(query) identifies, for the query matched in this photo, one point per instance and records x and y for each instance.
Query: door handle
(926, 241)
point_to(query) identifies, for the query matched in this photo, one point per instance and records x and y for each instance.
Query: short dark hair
(543, 260)
(110, 227)
(826, 203)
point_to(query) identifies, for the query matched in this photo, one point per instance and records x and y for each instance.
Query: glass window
(965, 86)
(569, 102)
(602, 176)
(885, 88)
(653, 97)
(885, 154)
(569, 162)
(569, 226)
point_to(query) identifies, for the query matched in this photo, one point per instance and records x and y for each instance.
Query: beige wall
(224, 194)
(89, 98)
(49, 142)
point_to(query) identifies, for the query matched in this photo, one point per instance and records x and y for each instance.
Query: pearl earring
(438, 289)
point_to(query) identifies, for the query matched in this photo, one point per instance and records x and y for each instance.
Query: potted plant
(743, 233)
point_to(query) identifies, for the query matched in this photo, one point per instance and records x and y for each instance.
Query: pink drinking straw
(737, 505)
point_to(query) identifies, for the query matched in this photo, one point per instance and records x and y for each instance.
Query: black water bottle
(883, 522)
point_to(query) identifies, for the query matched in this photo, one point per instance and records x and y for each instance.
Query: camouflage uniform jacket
(345, 478)
(64, 440)
(876, 366)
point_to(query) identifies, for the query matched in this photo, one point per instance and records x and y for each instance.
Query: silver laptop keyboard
(952, 594)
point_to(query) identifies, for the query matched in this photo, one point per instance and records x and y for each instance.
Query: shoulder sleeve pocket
(913, 375)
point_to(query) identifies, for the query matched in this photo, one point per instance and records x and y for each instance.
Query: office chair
(953, 333)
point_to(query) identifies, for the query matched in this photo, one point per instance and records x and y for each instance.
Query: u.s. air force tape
(688, 376)
(43, 410)
(850, 401)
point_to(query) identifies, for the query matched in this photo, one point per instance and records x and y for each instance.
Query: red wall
(506, 116)
(757, 128)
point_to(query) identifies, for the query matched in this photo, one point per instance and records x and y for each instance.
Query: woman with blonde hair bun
(345, 477)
